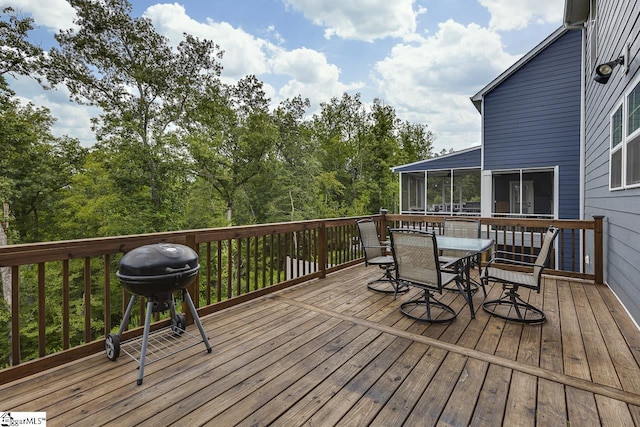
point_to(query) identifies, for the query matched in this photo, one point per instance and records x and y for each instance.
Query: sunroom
(445, 185)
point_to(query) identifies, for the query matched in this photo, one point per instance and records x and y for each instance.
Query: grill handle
(177, 270)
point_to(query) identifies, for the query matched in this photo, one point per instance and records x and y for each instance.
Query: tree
(35, 166)
(143, 86)
(380, 155)
(18, 56)
(416, 143)
(289, 193)
(231, 139)
(340, 130)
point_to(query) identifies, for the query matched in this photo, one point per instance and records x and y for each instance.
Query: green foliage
(144, 87)
(176, 149)
(18, 56)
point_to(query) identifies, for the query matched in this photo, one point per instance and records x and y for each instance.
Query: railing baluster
(248, 266)
(42, 344)
(219, 273)
(208, 276)
(65, 304)
(15, 315)
(107, 293)
(87, 300)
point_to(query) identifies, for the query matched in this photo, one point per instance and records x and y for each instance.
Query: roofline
(455, 153)
(576, 13)
(477, 98)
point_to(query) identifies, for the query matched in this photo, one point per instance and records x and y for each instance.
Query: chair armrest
(513, 262)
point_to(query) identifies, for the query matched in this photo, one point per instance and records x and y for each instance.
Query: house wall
(532, 119)
(617, 24)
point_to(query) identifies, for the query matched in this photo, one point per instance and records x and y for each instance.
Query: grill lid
(158, 260)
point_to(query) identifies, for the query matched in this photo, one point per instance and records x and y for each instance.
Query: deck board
(332, 352)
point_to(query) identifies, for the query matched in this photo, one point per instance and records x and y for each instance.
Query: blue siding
(465, 159)
(617, 25)
(532, 118)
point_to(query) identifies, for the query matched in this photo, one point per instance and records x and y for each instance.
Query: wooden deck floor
(332, 352)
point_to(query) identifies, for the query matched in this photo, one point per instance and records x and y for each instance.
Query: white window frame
(620, 147)
(626, 138)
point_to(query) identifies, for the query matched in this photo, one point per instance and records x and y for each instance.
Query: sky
(424, 58)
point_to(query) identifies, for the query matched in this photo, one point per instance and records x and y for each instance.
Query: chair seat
(508, 276)
(381, 260)
(446, 279)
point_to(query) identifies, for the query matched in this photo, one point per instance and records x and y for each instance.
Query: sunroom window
(448, 191)
(523, 193)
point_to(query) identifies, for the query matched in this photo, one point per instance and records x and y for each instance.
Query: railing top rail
(513, 222)
(33, 253)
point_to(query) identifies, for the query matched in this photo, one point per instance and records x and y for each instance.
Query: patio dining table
(471, 247)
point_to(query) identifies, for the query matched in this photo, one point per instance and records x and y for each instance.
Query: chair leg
(482, 282)
(392, 286)
(511, 302)
(435, 311)
(459, 269)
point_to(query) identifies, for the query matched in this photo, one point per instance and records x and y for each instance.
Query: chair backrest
(458, 227)
(415, 253)
(369, 239)
(545, 251)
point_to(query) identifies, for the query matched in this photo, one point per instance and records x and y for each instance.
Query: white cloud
(518, 14)
(305, 65)
(431, 81)
(53, 14)
(71, 119)
(312, 76)
(360, 19)
(306, 71)
(243, 53)
(428, 79)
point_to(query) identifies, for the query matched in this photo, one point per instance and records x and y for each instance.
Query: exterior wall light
(603, 71)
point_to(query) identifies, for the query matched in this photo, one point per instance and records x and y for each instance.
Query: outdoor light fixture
(603, 71)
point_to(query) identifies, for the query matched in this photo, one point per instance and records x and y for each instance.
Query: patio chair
(459, 227)
(511, 306)
(375, 254)
(415, 253)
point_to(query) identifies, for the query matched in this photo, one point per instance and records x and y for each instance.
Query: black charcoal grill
(156, 272)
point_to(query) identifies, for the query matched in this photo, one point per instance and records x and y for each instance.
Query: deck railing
(524, 236)
(65, 296)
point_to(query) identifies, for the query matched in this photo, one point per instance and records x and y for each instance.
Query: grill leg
(145, 340)
(196, 318)
(127, 314)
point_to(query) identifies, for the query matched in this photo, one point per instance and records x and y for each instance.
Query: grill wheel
(112, 346)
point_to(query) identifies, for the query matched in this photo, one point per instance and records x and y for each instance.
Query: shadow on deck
(332, 352)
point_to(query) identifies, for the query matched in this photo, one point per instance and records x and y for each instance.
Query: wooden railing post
(598, 253)
(383, 224)
(323, 250)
